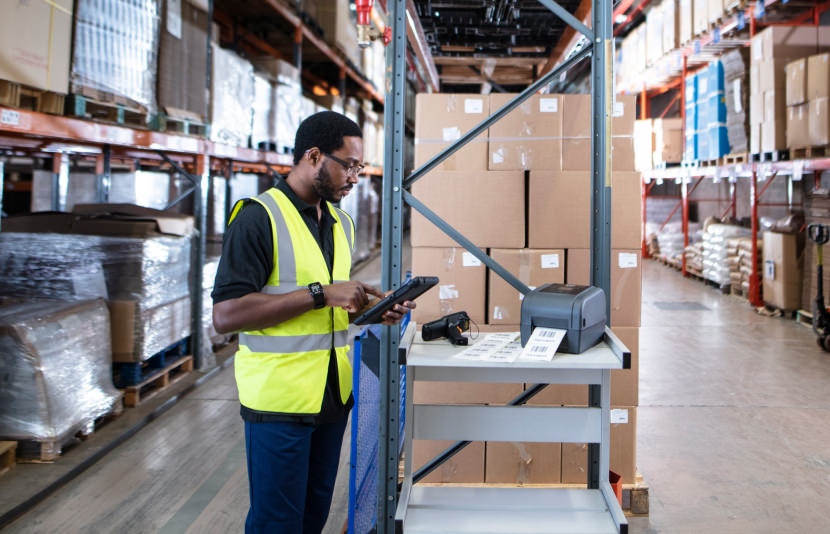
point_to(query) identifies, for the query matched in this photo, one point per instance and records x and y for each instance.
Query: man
(283, 284)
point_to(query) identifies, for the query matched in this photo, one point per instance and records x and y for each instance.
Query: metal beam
(392, 237)
(569, 19)
(466, 243)
(201, 187)
(569, 37)
(507, 108)
(601, 117)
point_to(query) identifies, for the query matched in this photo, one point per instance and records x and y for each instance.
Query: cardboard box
(643, 144)
(623, 452)
(755, 78)
(625, 383)
(818, 122)
(686, 16)
(576, 117)
(468, 201)
(626, 282)
(534, 267)
(461, 286)
(796, 85)
(772, 75)
(818, 76)
(464, 393)
(441, 119)
(182, 60)
(467, 466)
(529, 137)
(755, 138)
(576, 154)
(756, 108)
(714, 10)
(775, 106)
(774, 135)
(782, 271)
(626, 210)
(784, 42)
(138, 334)
(798, 126)
(668, 141)
(339, 26)
(559, 210)
(35, 43)
(624, 115)
(622, 154)
(522, 463)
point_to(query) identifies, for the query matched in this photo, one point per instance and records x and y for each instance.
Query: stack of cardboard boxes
(770, 52)
(521, 192)
(807, 92)
(783, 254)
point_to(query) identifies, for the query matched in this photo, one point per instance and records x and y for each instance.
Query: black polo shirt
(245, 266)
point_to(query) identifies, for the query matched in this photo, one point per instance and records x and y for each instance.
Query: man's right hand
(351, 296)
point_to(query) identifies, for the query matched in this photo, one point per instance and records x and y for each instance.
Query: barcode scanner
(450, 326)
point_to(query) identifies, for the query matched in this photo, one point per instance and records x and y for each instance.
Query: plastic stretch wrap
(716, 251)
(232, 98)
(116, 47)
(263, 134)
(55, 368)
(145, 281)
(363, 206)
(210, 336)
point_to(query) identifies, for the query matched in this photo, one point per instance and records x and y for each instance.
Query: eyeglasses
(351, 170)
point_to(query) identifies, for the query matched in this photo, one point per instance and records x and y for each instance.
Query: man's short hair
(324, 130)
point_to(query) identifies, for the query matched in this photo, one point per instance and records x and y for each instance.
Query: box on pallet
(668, 141)
(522, 463)
(782, 270)
(35, 43)
(231, 98)
(625, 383)
(819, 122)
(339, 25)
(796, 84)
(182, 59)
(466, 466)
(798, 126)
(818, 76)
(626, 282)
(469, 201)
(554, 197)
(462, 285)
(529, 137)
(533, 267)
(623, 449)
(441, 119)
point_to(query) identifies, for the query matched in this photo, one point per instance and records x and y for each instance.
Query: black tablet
(411, 290)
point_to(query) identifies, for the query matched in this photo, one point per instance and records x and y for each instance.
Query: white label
(627, 260)
(498, 157)
(10, 117)
(522, 297)
(473, 105)
(90, 283)
(548, 105)
(619, 416)
(447, 292)
(543, 344)
(704, 86)
(452, 133)
(769, 270)
(736, 87)
(468, 260)
(550, 261)
(619, 109)
(498, 313)
(174, 18)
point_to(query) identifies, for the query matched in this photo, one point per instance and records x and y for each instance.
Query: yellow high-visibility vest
(283, 369)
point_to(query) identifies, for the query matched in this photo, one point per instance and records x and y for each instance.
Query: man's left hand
(396, 314)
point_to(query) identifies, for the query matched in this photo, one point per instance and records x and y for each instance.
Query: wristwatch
(317, 292)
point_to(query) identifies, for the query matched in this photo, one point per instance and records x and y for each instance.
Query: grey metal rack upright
(599, 46)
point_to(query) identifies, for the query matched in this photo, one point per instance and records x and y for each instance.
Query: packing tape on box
(525, 459)
(57, 6)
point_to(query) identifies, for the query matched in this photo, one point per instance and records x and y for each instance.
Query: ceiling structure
(503, 42)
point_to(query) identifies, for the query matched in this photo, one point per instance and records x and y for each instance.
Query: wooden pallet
(7, 455)
(48, 450)
(808, 152)
(736, 158)
(180, 121)
(708, 163)
(765, 157)
(158, 381)
(15, 95)
(114, 112)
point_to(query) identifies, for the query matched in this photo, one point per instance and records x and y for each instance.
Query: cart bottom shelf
(435, 509)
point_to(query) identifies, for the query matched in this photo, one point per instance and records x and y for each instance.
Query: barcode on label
(539, 349)
(546, 334)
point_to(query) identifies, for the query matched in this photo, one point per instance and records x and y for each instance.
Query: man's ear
(313, 155)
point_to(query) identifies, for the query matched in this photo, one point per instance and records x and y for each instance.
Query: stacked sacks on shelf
(55, 370)
(139, 263)
(694, 258)
(745, 264)
(715, 251)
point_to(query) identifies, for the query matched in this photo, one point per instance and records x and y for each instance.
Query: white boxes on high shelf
(466, 509)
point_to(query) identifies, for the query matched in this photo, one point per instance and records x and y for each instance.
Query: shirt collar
(300, 204)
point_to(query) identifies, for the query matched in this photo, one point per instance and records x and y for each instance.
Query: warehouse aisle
(733, 432)
(734, 416)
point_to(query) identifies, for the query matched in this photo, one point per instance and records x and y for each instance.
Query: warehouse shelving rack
(395, 194)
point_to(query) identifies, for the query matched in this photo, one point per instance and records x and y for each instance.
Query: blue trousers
(291, 473)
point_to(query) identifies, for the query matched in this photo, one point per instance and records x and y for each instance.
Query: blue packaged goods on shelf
(691, 89)
(702, 145)
(717, 141)
(715, 75)
(690, 152)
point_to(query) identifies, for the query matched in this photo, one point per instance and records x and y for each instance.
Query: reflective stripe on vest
(284, 369)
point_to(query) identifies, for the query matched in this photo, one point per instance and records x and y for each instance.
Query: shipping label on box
(529, 137)
(441, 119)
(623, 456)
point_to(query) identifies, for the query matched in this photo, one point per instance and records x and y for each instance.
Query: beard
(324, 186)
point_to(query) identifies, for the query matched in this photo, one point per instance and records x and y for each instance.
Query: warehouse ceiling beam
(507, 108)
(418, 42)
(569, 38)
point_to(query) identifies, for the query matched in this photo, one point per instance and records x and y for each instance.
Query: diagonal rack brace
(192, 179)
(507, 108)
(569, 19)
(466, 243)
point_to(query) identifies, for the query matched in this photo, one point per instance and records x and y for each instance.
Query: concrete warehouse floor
(734, 426)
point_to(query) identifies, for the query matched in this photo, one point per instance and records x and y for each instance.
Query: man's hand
(351, 296)
(397, 313)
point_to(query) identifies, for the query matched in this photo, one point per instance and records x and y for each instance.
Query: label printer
(579, 310)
